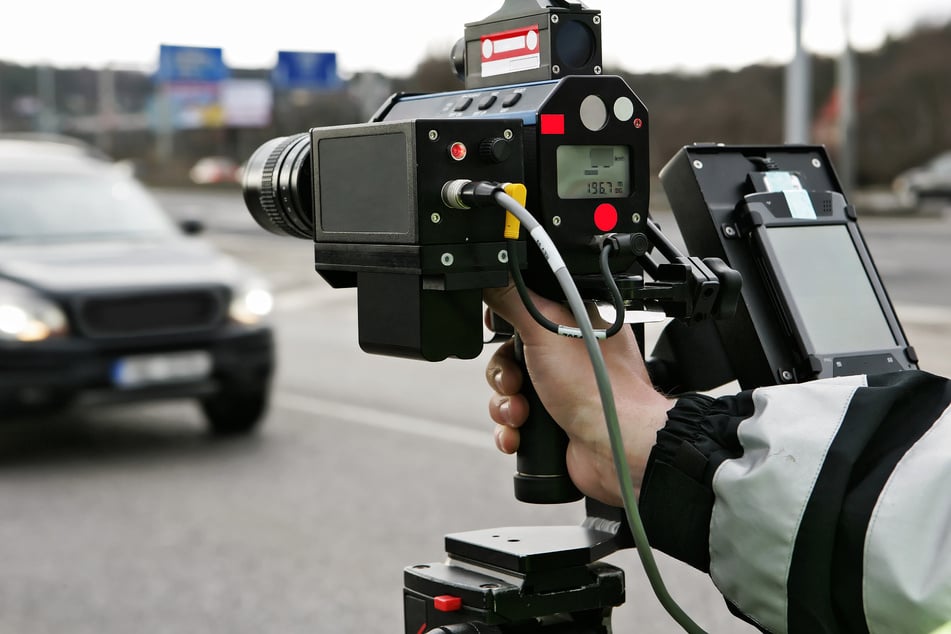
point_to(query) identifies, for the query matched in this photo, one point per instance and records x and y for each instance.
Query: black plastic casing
(381, 225)
(569, 222)
(716, 196)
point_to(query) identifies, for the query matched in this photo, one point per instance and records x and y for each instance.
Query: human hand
(561, 372)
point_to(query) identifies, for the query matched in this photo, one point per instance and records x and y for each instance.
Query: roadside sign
(190, 64)
(305, 71)
(247, 103)
(188, 106)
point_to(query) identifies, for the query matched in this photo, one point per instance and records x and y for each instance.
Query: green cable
(576, 304)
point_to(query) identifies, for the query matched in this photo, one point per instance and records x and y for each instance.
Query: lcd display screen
(593, 171)
(830, 289)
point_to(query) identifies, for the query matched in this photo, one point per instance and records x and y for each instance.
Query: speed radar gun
(538, 171)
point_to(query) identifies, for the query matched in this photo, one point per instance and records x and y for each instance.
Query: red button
(458, 151)
(447, 603)
(605, 217)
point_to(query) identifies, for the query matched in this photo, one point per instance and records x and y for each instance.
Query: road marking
(296, 299)
(371, 417)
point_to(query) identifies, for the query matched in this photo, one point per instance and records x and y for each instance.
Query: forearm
(790, 497)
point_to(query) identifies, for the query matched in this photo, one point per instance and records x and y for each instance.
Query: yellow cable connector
(512, 224)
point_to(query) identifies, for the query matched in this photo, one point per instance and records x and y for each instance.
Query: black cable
(551, 326)
(522, 289)
(763, 163)
(615, 292)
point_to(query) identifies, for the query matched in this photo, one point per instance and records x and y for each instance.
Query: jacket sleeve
(817, 507)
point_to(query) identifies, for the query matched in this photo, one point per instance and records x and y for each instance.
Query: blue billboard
(305, 71)
(190, 64)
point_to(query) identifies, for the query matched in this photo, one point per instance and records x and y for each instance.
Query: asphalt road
(129, 519)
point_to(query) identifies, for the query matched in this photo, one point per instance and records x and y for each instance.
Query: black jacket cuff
(676, 498)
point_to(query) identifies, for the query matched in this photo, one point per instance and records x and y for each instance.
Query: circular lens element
(574, 43)
(623, 108)
(594, 114)
(277, 186)
(457, 58)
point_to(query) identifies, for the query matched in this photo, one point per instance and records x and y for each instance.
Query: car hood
(102, 264)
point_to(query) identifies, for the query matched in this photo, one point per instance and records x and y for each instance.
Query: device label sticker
(510, 51)
(800, 205)
(797, 199)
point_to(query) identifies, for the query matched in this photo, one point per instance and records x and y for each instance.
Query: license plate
(161, 368)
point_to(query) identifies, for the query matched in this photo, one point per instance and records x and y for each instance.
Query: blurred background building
(165, 121)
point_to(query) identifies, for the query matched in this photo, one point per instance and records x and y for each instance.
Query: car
(215, 170)
(930, 182)
(104, 297)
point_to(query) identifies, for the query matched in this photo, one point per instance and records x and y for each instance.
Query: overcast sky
(392, 37)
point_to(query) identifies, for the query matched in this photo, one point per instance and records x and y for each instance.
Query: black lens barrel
(277, 186)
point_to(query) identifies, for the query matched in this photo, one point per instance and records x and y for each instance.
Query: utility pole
(798, 94)
(107, 109)
(847, 80)
(46, 95)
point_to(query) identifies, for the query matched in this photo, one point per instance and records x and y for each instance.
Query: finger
(507, 439)
(511, 411)
(503, 372)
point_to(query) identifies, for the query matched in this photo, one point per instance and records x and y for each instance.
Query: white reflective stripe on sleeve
(907, 564)
(761, 496)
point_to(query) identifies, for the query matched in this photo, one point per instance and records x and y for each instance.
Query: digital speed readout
(593, 171)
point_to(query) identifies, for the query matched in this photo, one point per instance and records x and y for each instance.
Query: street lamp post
(847, 88)
(798, 94)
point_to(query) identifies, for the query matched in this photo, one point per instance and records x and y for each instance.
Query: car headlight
(251, 302)
(27, 316)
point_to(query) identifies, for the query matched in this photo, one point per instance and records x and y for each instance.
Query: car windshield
(77, 206)
(941, 163)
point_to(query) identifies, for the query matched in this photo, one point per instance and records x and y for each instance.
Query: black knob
(495, 150)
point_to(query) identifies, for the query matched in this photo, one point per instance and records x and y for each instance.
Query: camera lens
(457, 58)
(574, 43)
(277, 185)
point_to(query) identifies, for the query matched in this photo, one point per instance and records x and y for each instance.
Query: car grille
(151, 313)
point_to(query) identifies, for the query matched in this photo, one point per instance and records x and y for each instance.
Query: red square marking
(553, 123)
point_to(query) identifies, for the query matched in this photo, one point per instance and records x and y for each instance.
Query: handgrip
(541, 475)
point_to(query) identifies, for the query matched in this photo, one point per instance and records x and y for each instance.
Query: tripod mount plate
(524, 550)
